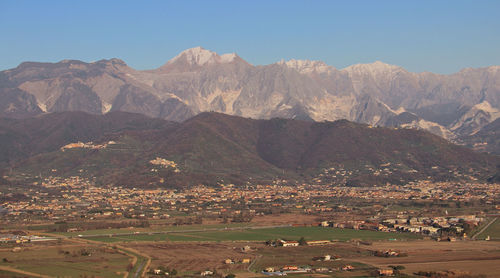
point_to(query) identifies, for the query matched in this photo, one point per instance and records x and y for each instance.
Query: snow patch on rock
(200, 56)
(432, 127)
(307, 66)
(42, 106)
(374, 69)
(106, 107)
(476, 118)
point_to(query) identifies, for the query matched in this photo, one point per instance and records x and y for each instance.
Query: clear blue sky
(438, 36)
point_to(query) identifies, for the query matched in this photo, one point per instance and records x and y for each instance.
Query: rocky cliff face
(199, 80)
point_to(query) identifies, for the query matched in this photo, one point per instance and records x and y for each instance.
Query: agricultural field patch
(72, 261)
(264, 234)
(493, 231)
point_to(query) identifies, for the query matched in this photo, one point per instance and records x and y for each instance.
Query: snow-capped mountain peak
(307, 66)
(196, 56)
(375, 68)
(228, 57)
(200, 57)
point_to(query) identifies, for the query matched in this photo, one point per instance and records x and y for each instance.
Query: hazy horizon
(441, 37)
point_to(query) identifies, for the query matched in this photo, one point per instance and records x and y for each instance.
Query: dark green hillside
(22, 138)
(212, 148)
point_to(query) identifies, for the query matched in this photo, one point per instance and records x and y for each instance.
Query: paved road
(484, 228)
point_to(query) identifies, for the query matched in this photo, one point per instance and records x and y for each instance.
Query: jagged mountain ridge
(199, 80)
(215, 148)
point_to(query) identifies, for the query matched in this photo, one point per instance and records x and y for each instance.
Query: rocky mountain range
(454, 106)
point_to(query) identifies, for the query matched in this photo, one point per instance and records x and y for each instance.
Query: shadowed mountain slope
(215, 148)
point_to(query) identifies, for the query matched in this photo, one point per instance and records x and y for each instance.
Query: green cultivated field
(148, 230)
(290, 233)
(493, 231)
(146, 237)
(55, 262)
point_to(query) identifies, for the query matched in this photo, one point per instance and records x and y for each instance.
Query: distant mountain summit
(195, 59)
(307, 66)
(200, 56)
(199, 80)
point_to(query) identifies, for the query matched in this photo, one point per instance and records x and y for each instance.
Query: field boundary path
(249, 268)
(15, 270)
(135, 254)
(484, 228)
